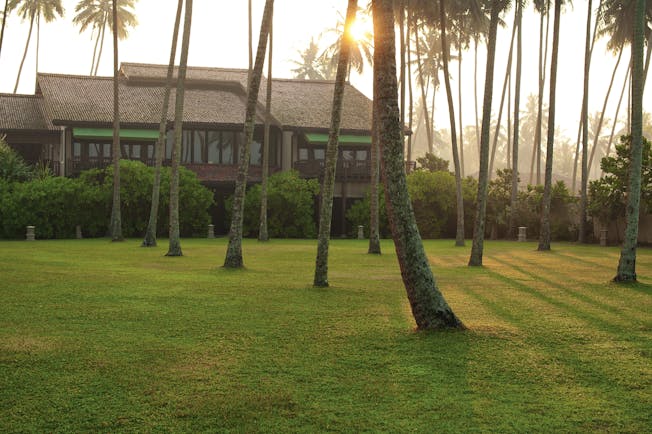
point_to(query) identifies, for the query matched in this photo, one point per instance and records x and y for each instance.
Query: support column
(286, 151)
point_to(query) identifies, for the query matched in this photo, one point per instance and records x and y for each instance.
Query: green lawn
(96, 336)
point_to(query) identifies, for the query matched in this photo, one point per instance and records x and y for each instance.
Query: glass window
(169, 143)
(199, 143)
(303, 154)
(151, 151)
(135, 152)
(228, 141)
(348, 154)
(213, 147)
(319, 153)
(107, 150)
(186, 149)
(76, 149)
(361, 155)
(255, 157)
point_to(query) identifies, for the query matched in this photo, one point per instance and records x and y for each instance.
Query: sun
(361, 29)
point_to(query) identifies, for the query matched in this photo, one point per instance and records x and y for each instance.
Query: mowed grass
(111, 337)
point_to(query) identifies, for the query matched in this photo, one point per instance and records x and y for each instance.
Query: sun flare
(361, 29)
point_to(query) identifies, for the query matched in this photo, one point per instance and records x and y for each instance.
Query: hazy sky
(219, 38)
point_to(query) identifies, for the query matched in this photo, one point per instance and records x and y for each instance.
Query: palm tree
(478, 228)
(361, 48)
(116, 218)
(627, 263)
(312, 66)
(263, 234)
(328, 183)
(97, 14)
(174, 248)
(33, 10)
(374, 211)
(233, 257)
(150, 234)
(585, 127)
(4, 20)
(517, 117)
(459, 234)
(544, 235)
(429, 307)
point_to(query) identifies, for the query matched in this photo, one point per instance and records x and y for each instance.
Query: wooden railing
(350, 170)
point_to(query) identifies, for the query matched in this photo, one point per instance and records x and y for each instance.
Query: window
(186, 148)
(169, 143)
(319, 153)
(199, 144)
(255, 158)
(303, 154)
(227, 146)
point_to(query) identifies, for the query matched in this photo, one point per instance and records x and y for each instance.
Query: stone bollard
(211, 231)
(78, 233)
(361, 232)
(603, 237)
(30, 233)
(522, 234)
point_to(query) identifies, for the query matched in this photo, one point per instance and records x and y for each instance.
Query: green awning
(107, 133)
(322, 139)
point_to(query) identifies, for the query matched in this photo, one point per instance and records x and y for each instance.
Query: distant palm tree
(544, 234)
(585, 127)
(116, 218)
(311, 65)
(328, 183)
(150, 234)
(627, 263)
(483, 184)
(429, 308)
(517, 121)
(174, 248)
(233, 257)
(97, 14)
(33, 10)
(263, 233)
(4, 20)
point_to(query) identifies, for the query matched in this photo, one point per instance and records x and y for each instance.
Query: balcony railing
(349, 170)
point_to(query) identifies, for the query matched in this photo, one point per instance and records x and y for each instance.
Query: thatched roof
(23, 112)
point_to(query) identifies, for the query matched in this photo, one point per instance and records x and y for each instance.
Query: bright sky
(219, 38)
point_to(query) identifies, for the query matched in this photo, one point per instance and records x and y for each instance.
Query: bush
(12, 166)
(136, 182)
(563, 211)
(55, 205)
(290, 207)
(359, 214)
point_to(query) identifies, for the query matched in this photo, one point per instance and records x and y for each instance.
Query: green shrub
(358, 214)
(290, 207)
(12, 166)
(563, 211)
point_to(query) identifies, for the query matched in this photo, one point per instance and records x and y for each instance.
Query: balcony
(346, 170)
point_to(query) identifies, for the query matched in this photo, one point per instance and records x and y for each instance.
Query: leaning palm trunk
(517, 101)
(422, 85)
(410, 92)
(99, 55)
(615, 122)
(150, 234)
(459, 233)
(116, 218)
(22, 62)
(233, 257)
(4, 21)
(627, 263)
(585, 129)
(478, 228)
(459, 99)
(429, 307)
(174, 248)
(536, 149)
(374, 214)
(475, 94)
(544, 235)
(328, 185)
(263, 234)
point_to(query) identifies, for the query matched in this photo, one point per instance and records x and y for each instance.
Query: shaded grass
(99, 336)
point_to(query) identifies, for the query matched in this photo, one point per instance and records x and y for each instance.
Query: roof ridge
(21, 95)
(204, 68)
(87, 77)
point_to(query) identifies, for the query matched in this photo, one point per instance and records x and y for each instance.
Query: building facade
(67, 125)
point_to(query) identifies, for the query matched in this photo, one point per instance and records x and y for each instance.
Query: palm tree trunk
(410, 93)
(459, 233)
(97, 42)
(459, 97)
(536, 149)
(233, 257)
(328, 185)
(420, 73)
(596, 136)
(263, 234)
(401, 14)
(4, 21)
(38, 43)
(429, 307)
(116, 219)
(251, 36)
(475, 92)
(174, 247)
(517, 101)
(615, 123)
(150, 234)
(509, 122)
(22, 62)
(508, 72)
(483, 184)
(99, 55)
(627, 263)
(585, 128)
(374, 238)
(647, 59)
(544, 235)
